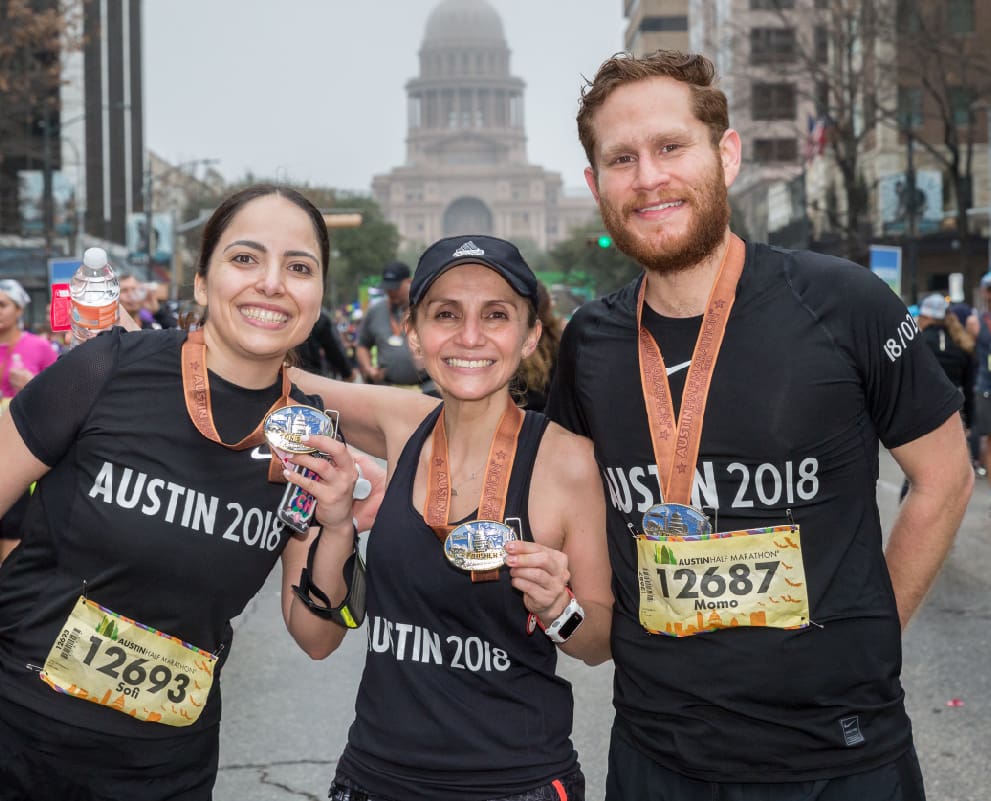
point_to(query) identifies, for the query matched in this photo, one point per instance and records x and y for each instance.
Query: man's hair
(697, 71)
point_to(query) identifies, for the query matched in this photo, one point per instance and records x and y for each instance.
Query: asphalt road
(286, 717)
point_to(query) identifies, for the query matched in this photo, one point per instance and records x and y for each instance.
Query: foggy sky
(312, 91)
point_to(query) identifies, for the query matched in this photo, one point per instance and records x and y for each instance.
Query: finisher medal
(478, 545)
(675, 520)
(284, 429)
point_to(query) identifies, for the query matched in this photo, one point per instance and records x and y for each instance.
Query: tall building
(29, 90)
(655, 25)
(764, 51)
(74, 135)
(923, 150)
(112, 129)
(466, 167)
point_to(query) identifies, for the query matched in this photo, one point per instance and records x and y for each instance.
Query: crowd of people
(675, 480)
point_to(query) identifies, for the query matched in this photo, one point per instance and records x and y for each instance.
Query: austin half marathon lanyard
(691, 579)
(478, 545)
(196, 388)
(297, 506)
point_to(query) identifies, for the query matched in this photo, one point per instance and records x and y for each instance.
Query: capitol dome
(461, 21)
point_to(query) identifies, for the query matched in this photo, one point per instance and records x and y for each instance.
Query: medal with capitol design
(478, 544)
(284, 430)
(675, 520)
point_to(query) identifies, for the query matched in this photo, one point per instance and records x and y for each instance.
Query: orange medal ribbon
(676, 443)
(495, 484)
(196, 389)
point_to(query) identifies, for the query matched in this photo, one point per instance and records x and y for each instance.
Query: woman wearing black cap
(459, 697)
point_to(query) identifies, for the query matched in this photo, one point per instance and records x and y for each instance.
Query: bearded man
(737, 395)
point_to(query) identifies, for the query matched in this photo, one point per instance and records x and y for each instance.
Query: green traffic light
(605, 241)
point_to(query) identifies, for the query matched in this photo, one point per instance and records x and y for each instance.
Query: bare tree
(944, 75)
(823, 50)
(33, 36)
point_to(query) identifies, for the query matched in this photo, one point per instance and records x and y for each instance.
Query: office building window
(766, 150)
(908, 17)
(909, 107)
(962, 102)
(822, 98)
(821, 44)
(960, 16)
(773, 101)
(772, 45)
(664, 24)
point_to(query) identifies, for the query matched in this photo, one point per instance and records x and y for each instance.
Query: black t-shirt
(457, 702)
(960, 367)
(161, 524)
(322, 350)
(819, 362)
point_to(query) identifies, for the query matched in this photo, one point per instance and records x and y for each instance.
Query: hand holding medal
(318, 466)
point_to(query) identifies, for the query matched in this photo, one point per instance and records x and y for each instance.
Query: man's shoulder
(379, 310)
(618, 309)
(816, 280)
(767, 258)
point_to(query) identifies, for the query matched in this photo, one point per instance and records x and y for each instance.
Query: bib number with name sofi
(108, 659)
(752, 577)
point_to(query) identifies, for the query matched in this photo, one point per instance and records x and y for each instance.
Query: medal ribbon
(676, 443)
(196, 389)
(495, 484)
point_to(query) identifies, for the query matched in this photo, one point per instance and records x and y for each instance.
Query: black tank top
(456, 701)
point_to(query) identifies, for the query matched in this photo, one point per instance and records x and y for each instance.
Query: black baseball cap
(497, 254)
(393, 275)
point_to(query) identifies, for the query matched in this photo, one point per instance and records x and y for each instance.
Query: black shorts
(43, 759)
(633, 775)
(567, 788)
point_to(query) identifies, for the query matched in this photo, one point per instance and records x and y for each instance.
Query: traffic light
(603, 241)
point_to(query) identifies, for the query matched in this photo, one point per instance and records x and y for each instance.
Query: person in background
(746, 389)
(22, 356)
(383, 331)
(323, 353)
(155, 520)
(944, 334)
(537, 369)
(952, 346)
(962, 311)
(979, 326)
(459, 699)
(142, 303)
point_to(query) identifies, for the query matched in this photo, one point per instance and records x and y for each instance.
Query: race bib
(753, 577)
(108, 659)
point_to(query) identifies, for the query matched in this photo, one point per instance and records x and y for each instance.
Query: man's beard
(710, 210)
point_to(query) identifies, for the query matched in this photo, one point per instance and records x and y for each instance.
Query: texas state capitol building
(466, 167)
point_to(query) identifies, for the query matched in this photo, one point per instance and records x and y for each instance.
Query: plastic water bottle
(94, 291)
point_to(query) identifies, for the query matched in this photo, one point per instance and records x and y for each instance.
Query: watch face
(569, 626)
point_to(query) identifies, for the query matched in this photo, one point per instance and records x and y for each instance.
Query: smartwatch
(567, 622)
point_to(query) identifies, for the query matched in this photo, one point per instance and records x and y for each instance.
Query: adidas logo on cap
(469, 248)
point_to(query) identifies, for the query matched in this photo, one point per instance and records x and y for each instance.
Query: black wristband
(351, 612)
